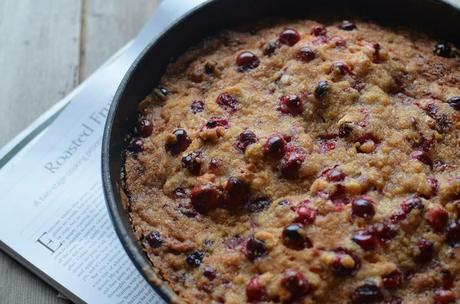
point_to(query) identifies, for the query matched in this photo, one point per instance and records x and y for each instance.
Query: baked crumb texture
(294, 162)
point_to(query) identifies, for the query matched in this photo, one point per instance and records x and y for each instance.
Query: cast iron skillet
(433, 16)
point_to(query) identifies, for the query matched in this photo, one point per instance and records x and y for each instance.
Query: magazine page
(53, 210)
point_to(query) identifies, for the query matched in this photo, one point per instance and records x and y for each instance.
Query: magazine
(54, 219)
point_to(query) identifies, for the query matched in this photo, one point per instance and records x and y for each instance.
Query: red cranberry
(321, 89)
(384, 232)
(180, 143)
(425, 144)
(295, 282)
(411, 203)
(254, 249)
(275, 147)
(422, 157)
(294, 237)
(424, 251)
(192, 162)
(289, 36)
(305, 215)
(431, 110)
(341, 68)
(442, 49)
(197, 106)
(215, 122)
(338, 265)
(144, 127)
(247, 60)
(347, 25)
(447, 279)
(154, 239)
(320, 40)
(365, 240)
(401, 214)
(195, 259)
(291, 162)
(319, 30)
(366, 294)
(259, 204)
(271, 47)
(214, 164)
(326, 146)
(453, 234)
(306, 54)
(443, 296)
(335, 175)
(245, 139)
(392, 280)
(136, 145)
(363, 207)
(227, 102)
(398, 216)
(454, 102)
(442, 120)
(205, 198)
(236, 192)
(443, 123)
(210, 273)
(255, 291)
(358, 85)
(291, 104)
(437, 218)
(338, 41)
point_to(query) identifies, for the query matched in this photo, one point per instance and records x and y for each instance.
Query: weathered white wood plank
(19, 286)
(109, 26)
(39, 58)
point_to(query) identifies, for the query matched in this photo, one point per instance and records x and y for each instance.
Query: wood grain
(109, 25)
(48, 47)
(39, 58)
(19, 286)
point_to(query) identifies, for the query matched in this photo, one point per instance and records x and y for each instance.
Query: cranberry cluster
(233, 195)
(288, 36)
(178, 143)
(346, 263)
(245, 139)
(294, 236)
(289, 155)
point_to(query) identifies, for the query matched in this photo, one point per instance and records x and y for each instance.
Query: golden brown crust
(381, 133)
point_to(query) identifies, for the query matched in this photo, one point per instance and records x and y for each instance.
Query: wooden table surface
(48, 47)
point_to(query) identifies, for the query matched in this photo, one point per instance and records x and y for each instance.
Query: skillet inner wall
(423, 15)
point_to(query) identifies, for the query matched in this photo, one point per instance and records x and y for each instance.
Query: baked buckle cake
(293, 162)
